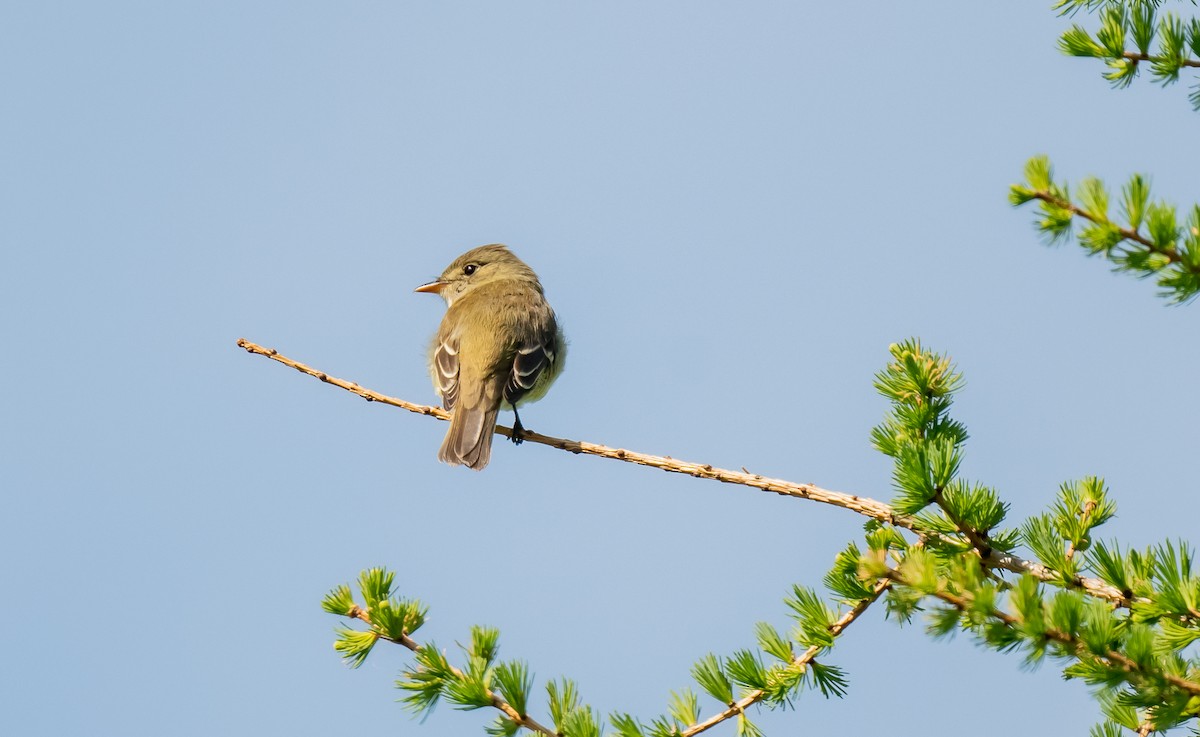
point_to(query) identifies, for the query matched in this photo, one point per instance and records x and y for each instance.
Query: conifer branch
(755, 696)
(1110, 658)
(1085, 515)
(357, 612)
(862, 505)
(1157, 240)
(1135, 56)
(977, 540)
(1129, 234)
(1128, 30)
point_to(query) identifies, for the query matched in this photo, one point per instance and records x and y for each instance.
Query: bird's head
(479, 266)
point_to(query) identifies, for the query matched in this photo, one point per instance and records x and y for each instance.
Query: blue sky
(734, 208)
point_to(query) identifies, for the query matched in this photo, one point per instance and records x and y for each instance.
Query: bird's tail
(469, 440)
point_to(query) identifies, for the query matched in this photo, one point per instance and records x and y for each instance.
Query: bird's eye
(470, 269)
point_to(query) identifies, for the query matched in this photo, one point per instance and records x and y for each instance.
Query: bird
(499, 345)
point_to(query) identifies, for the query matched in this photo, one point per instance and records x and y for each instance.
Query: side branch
(755, 696)
(1137, 56)
(1128, 234)
(862, 505)
(1110, 658)
(980, 545)
(499, 703)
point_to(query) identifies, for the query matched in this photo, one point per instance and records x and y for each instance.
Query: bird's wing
(444, 369)
(531, 359)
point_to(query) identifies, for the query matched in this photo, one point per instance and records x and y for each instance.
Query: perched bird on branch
(499, 346)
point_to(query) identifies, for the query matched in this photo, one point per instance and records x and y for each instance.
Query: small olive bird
(498, 345)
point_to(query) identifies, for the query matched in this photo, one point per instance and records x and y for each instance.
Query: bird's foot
(518, 432)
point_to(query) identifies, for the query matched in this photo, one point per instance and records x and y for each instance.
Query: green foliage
(710, 675)
(1057, 536)
(571, 717)
(513, 682)
(829, 679)
(376, 585)
(1055, 198)
(339, 601)
(470, 688)
(503, 727)
(943, 622)
(813, 619)
(844, 578)
(354, 645)
(663, 727)
(917, 432)
(926, 445)
(426, 680)
(388, 617)
(1112, 567)
(747, 728)
(785, 681)
(1134, 657)
(395, 618)
(684, 707)
(1071, 7)
(1040, 535)
(1175, 590)
(1120, 652)
(746, 669)
(1153, 243)
(773, 643)
(484, 643)
(563, 698)
(1119, 713)
(1174, 636)
(626, 725)
(1081, 507)
(1132, 35)
(481, 681)
(978, 508)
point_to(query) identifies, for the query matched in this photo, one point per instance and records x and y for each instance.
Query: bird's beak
(434, 287)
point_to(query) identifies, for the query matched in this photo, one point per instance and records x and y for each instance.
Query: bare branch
(862, 505)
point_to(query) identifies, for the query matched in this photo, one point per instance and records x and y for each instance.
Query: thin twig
(1084, 515)
(357, 612)
(755, 696)
(1128, 234)
(973, 536)
(524, 720)
(1081, 649)
(1139, 57)
(862, 505)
